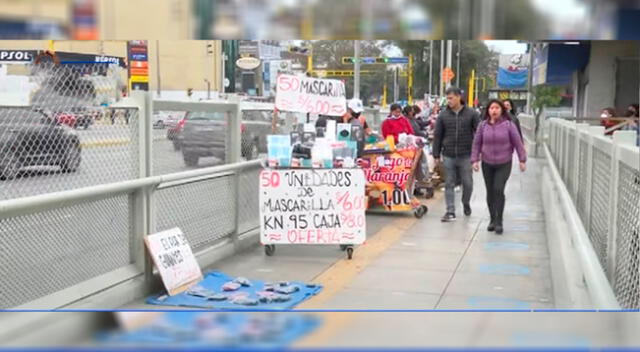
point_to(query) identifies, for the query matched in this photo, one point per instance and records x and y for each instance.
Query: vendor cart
(390, 180)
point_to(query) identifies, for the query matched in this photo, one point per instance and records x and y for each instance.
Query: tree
(327, 55)
(474, 54)
(543, 96)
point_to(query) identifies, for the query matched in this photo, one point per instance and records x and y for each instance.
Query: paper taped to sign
(311, 95)
(172, 255)
(312, 206)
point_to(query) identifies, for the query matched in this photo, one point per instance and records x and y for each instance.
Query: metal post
(441, 88)
(141, 205)
(234, 153)
(356, 69)
(396, 93)
(410, 81)
(430, 68)
(458, 65)
(449, 57)
(159, 89)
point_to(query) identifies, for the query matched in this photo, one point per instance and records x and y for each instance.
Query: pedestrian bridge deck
(411, 264)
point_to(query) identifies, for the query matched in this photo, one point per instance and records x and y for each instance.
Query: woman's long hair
(486, 116)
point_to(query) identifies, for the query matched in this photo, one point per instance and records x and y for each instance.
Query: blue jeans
(455, 168)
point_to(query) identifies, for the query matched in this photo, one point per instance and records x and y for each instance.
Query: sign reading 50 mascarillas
(312, 206)
(311, 95)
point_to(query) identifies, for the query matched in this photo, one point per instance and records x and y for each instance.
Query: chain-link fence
(603, 178)
(64, 139)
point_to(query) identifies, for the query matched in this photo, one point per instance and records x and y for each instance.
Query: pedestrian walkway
(411, 264)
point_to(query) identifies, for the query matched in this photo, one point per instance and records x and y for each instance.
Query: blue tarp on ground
(213, 281)
(206, 330)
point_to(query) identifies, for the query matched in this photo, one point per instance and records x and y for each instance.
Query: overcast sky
(506, 46)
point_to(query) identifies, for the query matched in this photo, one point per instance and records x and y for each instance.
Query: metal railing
(602, 179)
(60, 248)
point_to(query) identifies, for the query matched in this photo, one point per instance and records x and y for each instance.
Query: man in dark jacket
(453, 138)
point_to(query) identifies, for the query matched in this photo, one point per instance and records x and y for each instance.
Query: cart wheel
(419, 212)
(343, 247)
(350, 253)
(269, 250)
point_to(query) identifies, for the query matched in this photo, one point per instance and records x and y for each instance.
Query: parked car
(33, 138)
(169, 119)
(66, 118)
(204, 134)
(84, 117)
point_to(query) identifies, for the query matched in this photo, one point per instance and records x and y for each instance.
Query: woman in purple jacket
(495, 140)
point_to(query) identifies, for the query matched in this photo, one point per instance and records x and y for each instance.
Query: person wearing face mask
(494, 143)
(605, 118)
(396, 124)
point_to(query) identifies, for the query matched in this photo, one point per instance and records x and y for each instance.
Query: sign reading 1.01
(312, 206)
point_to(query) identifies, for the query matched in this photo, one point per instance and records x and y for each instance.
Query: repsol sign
(16, 55)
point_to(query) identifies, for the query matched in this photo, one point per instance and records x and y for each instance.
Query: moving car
(174, 134)
(33, 138)
(205, 134)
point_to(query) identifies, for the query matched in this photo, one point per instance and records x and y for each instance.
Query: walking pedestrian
(453, 139)
(510, 106)
(495, 141)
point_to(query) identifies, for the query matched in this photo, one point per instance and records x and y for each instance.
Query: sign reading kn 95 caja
(312, 206)
(172, 255)
(310, 95)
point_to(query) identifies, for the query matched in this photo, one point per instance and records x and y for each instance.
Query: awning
(556, 63)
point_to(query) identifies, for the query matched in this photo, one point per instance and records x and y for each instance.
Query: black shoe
(499, 230)
(467, 210)
(448, 217)
(491, 227)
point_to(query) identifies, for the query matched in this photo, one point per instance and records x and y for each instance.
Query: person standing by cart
(494, 143)
(453, 138)
(396, 124)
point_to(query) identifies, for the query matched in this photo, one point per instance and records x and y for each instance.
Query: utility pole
(530, 79)
(396, 93)
(449, 57)
(159, 85)
(441, 89)
(430, 67)
(458, 66)
(356, 69)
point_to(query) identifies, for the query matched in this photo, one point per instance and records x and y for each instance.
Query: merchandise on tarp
(220, 291)
(215, 330)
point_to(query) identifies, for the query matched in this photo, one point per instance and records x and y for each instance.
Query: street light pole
(356, 69)
(430, 67)
(441, 89)
(458, 66)
(449, 57)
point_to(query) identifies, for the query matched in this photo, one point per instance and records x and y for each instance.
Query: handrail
(38, 203)
(598, 286)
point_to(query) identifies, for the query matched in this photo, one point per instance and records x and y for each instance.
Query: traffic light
(381, 60)
(348, 60)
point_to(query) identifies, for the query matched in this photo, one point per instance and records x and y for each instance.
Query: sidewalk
(411, 264)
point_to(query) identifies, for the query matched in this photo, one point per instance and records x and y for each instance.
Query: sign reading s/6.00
(312, 206)
(312, 95)
(174, 259)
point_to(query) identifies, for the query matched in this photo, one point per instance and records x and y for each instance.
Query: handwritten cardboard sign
(388, 176)
(312, 95)
(312, 206)
(172, 255)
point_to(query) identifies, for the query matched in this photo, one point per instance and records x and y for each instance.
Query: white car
(162, 119)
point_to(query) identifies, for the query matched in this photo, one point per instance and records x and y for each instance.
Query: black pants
(495, 179)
